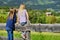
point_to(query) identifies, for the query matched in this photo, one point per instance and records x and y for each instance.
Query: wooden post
(27, 35)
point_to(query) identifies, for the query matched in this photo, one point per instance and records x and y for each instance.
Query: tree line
(36, 16)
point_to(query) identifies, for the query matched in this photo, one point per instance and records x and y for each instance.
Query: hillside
(34, 4)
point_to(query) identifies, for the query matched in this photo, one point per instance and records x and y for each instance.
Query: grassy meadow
(36, 35)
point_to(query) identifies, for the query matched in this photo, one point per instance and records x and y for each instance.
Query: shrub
(58, 20)
(50, 19)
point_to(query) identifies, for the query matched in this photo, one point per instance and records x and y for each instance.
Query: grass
(35, 35)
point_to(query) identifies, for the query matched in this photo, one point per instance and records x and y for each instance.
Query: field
(35, 16)
(35, 35)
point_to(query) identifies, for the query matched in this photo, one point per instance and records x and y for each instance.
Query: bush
(3, 18)
(50, 19)
(35, 16)
(58, 20)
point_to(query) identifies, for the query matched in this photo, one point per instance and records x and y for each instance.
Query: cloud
(45, 2)
(8, 0)
(4, 2)
(58, 5)
(51, 2)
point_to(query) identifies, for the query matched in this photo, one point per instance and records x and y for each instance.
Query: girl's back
(9, 23)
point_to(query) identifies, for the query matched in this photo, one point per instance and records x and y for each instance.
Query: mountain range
(33, 4)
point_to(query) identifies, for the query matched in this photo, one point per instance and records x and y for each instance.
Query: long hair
(11, 12)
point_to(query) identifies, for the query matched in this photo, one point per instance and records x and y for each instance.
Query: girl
(10, 25)
(22, 17)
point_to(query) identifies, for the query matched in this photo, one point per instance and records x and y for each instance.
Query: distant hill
(33, 4)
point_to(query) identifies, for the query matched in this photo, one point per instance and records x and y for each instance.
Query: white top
(22, 16)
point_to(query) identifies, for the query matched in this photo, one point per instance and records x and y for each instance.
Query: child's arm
(17, 21)
(27, 15)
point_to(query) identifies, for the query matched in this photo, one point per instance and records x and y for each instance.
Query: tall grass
(36, 35)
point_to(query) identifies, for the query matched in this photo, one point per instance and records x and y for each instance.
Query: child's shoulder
(25, 10)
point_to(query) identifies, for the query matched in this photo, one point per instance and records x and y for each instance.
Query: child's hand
(17, 23)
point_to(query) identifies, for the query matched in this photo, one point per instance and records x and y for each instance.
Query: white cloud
(58, 5)
(4, 2)
(9, 0)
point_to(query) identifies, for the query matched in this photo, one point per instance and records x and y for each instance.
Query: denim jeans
(10, 35)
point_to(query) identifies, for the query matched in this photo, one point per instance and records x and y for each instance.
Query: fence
(37, 28)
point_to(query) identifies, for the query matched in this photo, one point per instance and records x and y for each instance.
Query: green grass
(36, 35)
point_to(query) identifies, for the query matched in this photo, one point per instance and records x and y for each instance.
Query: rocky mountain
(33, 4)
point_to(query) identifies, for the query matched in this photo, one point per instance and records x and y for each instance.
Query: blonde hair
(22, 6)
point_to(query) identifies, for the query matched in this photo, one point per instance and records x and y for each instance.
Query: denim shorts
(23, 23)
